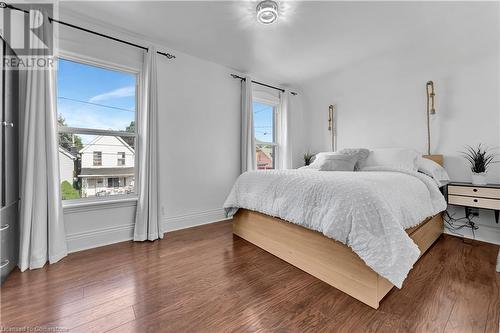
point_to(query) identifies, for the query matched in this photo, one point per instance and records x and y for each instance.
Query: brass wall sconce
(332, 128)
(431, 110)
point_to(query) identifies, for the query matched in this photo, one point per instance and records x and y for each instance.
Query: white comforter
(368, 211)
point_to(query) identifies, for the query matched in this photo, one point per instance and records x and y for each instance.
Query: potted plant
(308, 158)
(480, 159)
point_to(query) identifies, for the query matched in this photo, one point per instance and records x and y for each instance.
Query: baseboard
(193, 219)
(106, 236)
(101, 237)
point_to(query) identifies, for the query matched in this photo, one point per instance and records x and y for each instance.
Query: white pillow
(360, 153)
(318, 159)
(433, 170)
(338, 162)
(399, 158)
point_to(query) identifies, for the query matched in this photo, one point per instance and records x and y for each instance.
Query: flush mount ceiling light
(267, 11)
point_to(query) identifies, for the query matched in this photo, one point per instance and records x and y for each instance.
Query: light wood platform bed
(325, 258)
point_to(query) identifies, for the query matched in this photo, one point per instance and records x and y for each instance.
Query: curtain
(248, 158)
(147, 221)
(42, 234)
(285, 158)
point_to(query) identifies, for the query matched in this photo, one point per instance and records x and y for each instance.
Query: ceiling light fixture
(267, 11)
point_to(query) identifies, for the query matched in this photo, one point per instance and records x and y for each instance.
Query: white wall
(381, 100)
(199, 136)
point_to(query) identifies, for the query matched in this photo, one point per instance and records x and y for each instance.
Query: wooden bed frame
(325, 258)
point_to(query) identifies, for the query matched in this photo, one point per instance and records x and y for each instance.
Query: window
(113, 182)
(121, 158)
(266, 146)
(97, 158)
(97, 115)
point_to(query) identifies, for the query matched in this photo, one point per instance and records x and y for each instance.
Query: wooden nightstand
(478, 196)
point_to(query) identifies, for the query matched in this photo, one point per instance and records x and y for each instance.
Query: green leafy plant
(479, 158)
(308, 158)
(68, 192)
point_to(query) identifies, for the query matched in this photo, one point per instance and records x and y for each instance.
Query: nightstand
(478, 196)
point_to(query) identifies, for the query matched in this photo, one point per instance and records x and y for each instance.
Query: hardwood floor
(205, 279)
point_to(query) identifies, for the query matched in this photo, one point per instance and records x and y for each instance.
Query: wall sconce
(332, 128)
(430, 111)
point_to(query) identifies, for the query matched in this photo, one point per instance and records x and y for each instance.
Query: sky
(263, 121)
(94, 97)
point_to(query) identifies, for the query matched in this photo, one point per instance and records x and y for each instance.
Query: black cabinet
(9, 162)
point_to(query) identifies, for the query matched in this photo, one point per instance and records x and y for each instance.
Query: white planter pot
(479, 178)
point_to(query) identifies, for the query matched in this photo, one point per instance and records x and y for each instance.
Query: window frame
(99, 155)
(265, 98)
(121, 158)
(100, 132)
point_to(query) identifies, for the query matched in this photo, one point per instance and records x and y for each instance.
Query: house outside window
(265, 115)
(97, 115)
(97, 158)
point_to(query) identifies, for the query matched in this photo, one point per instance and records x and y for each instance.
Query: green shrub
(68, 192)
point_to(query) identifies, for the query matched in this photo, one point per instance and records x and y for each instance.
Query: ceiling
(310, 39)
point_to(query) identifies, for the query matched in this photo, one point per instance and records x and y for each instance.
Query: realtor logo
(26, 28)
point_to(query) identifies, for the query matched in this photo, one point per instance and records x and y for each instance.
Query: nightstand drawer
(482, 192)
(474, 202)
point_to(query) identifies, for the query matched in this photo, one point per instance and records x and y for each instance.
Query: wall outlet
(162, 210)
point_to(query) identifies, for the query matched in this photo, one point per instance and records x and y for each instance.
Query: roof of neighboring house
(96, 139)
(106, 172)
(66, 153)
(266, 151)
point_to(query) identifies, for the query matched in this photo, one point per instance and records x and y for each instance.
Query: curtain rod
(262, 84)
(168, 55)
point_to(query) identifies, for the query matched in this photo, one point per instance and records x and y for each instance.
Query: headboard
(436, 158)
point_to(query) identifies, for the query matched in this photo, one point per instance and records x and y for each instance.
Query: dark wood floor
(205, 279)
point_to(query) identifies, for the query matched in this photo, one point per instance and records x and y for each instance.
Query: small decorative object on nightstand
(480, 159)
(478, 196)
(308, 158)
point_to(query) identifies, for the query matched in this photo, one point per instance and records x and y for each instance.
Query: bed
(345, 265)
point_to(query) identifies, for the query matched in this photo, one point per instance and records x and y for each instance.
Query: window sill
(83, 205)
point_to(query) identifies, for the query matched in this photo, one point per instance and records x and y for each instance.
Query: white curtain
(248, 158)
(147, 219)
(42, 235)
(285, 142)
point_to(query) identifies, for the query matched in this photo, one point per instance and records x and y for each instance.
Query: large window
(97, 115)
(266, 146)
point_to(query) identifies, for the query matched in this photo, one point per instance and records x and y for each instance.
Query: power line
(96, 104)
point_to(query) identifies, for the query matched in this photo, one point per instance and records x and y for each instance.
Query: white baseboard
(106, 236)
(193, 219)
(100, 237)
